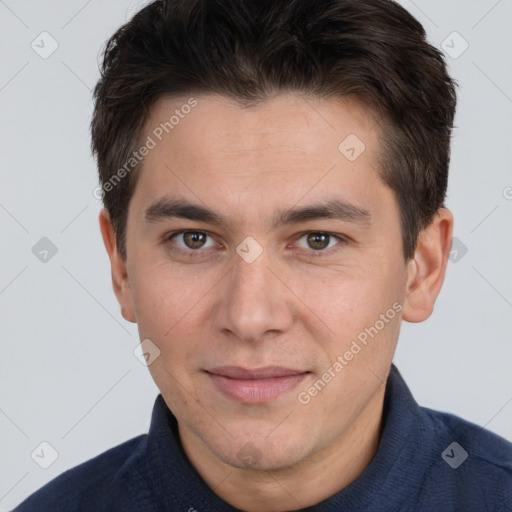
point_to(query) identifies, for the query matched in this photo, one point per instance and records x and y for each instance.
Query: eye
(320, 242)
(317, 243)
(191, 240)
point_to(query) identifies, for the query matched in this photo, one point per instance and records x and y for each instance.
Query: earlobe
(120, 279)
(427, 269)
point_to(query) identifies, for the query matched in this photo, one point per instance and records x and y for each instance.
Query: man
(274, 174)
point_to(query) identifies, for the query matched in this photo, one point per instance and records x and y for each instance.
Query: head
(273, 176)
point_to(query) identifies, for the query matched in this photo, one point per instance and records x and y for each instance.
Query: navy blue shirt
(426, 461)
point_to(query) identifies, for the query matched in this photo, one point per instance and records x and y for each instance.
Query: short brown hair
(249, 50)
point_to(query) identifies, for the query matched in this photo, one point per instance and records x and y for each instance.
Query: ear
(426, 270)
(120, 280)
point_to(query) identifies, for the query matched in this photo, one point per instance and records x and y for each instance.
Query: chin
(262, 454)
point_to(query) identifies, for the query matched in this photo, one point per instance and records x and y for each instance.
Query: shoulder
(482, 446)
(470, 464)
(94, 484)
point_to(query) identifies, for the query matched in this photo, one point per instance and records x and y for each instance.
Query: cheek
(351, 308)
(168, 309)
(166, 300)
(347, 300)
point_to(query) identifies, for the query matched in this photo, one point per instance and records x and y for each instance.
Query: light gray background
(68, 375)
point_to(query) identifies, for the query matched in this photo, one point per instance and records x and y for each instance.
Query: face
(265, 263)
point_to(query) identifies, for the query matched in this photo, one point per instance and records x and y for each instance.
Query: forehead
(295, 119)
(283, 148)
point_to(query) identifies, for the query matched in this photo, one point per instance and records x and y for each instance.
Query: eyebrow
(167, 208)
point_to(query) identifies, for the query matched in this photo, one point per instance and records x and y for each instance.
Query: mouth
(257, 385)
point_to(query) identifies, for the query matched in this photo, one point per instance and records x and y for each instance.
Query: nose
(254, 301)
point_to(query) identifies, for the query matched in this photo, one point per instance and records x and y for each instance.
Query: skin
(294, 306)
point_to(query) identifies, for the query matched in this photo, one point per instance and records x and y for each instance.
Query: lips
(268, 372)
(255, 385)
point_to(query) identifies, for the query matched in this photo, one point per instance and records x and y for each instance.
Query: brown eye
(192, 240)
(318, 241)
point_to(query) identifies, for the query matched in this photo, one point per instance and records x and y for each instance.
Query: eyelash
(311, 253)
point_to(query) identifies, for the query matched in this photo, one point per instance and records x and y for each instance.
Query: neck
(313, 480)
